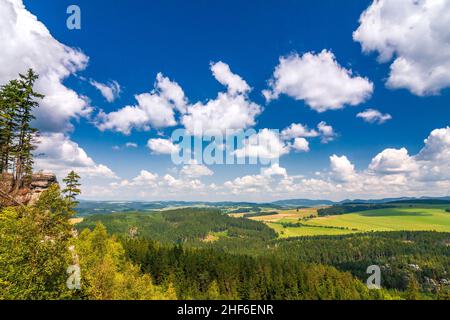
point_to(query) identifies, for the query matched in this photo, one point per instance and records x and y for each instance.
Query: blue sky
(130, 42)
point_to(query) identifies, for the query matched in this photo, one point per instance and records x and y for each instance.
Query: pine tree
(72, 189)
(9, 100)
(26, 136)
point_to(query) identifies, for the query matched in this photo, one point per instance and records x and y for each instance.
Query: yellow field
(290, 232)
(74, 221)
(287, 215)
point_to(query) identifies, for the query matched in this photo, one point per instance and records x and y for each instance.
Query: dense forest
(414, 264)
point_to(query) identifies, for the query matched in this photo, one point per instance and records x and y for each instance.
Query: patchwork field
(293, 223)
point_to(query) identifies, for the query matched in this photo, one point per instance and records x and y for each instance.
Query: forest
(414, 264)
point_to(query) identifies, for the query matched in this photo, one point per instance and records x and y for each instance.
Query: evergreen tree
(9, 100)
(72, 189)
(25, 142)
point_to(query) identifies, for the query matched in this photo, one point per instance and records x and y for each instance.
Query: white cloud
(154, 109)
(297, 130)
(391, 173)
(374, 116)
(318, 80)
(195, 171)
(162, 146)
(109, 91)
(266, 144)
(326, 132)
(274, 170)
(229, 112)
(58, 154)
(300, 145)
(172, 92)
(342, 169)
(233, 82)
(391, 161)
(415, 34)
(226, 114)
(145, 178)
(27, 43)
(131, 145)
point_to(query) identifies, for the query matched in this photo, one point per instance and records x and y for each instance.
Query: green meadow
(400, 218)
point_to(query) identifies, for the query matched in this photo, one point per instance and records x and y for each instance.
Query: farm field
(399, 218)
(306, 231)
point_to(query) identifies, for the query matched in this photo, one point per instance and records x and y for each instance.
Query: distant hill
(103, 207)
(303, 203)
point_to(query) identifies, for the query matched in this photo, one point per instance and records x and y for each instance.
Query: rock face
(29, 194)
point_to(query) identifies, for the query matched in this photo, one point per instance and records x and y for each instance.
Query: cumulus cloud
(319, 80)
(274, 170)
(155, 109)
(327, 133)
(27, 43)
(297, 134)
(415, 35)
(235, 84)
(167, 105)
(195, 170)
(229, 112)
(172, 92)
(226, 114)
(391, 161)
(110, 91)
(162, 146)
(58, 154)
(297, 130)
(342, 169)
(391, 173)
(300, 145)
(374, 116)
(266, 144)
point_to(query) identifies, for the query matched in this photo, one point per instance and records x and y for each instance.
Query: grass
(392, 219)
(400, 218)
(306, 231)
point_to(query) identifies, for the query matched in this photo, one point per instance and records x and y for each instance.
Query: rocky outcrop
(29, 193)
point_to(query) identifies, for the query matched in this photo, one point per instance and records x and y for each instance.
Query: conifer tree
(26, 134)
(72, 189)
(9, 100)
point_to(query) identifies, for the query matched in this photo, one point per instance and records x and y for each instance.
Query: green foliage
(33, 249)
(35, 253)
(107, 275)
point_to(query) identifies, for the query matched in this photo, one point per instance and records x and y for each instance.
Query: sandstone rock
(28, 194)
